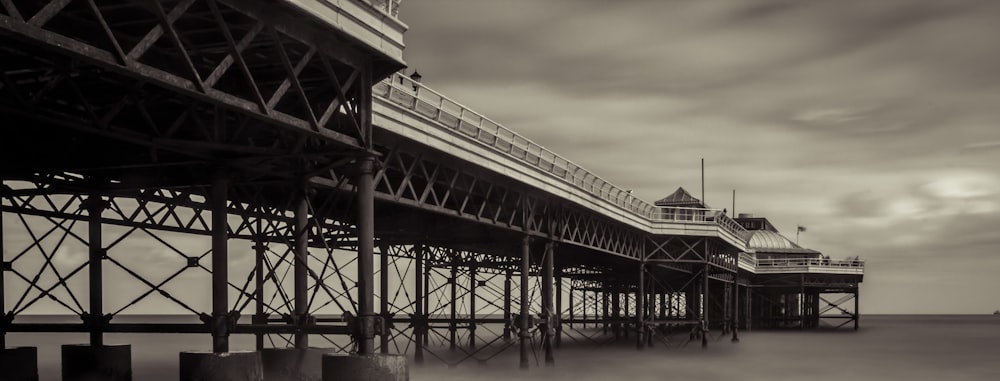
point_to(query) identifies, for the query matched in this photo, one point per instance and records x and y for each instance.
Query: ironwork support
(366, 255)
(640, 309)
(857, 311)
(453, 304)
(736, 309)
(548, 313)
(525, 315)
(604, 305)
(220, 264)
(559, 304)
(506, 305)
(384, 299)
(301, 268)
(704, 307)
(259, 250)
(472, 307)
(3, 270)
(95, 205)
(616, 310)
(419, 320)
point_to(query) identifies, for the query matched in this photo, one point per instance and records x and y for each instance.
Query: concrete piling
(83, 362)
(374, 367)
(19, 363)
(226, 366)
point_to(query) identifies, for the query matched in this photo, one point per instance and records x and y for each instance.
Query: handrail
(390, 7)
(463, 121)
(751, 261)
(811, 262)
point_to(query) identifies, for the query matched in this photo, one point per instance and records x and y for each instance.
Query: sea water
(901, 347)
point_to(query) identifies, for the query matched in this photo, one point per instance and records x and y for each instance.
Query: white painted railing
(801, 265)
(461, 120)
(811, 262)
(390, 7)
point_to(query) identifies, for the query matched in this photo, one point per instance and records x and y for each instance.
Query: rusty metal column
(418, 306)
(506, 305)
(548, 313)
(640, 308)
(453, 304)
(301, 269)
(383, 292)
(95, 206)
(472, 307)
(525, 313)
(220, 264)
(366, 255)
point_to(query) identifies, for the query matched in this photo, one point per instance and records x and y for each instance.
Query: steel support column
(548, 313)
(300, 275)
(3, 270)
(704, 307)
(453, 304)
(583, 304)
(802, 302)
(857, 311)
(383, 290)
(605, 289)
(259, 250)
(428, 267)
(506, 305)
(558, 311)
(366, 255)
(472, 307)
(640, 309)
(95, 206)
(616, 310)
(736, 309)
(525, 314)
(220, 264)
(419, 321)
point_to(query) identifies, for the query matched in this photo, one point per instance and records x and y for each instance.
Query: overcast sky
(872, 123)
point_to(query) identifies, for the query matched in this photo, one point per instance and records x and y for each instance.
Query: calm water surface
(913, 348)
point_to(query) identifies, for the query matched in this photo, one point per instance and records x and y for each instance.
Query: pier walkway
(262, 167)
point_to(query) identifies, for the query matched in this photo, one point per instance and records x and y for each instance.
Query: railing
(463, 121)
(750, 262)
(390, 7)
(811, 262)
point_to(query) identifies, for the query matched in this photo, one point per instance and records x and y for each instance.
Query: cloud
(873, 123)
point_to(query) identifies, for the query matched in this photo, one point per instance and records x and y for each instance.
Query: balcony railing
(811, 262)
(390, 7)
(461, 120)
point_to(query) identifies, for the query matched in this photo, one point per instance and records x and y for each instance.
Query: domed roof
(766, 241)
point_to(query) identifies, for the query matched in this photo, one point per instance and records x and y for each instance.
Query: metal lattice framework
(229, 144)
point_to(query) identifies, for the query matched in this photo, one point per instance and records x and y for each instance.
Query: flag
(802, 228)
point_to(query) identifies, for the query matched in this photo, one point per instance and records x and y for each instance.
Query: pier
(264, 168)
